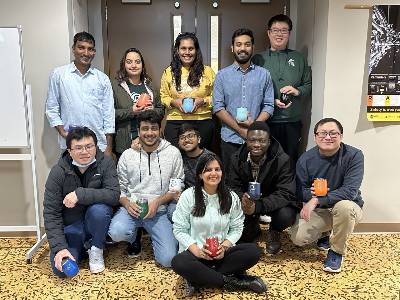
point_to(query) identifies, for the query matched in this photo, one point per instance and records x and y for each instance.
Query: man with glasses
(263, 160)
(80, 193)
(291, 77)
(81, 95)
(338, 209)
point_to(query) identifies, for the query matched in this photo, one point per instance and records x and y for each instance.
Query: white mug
(175, 185)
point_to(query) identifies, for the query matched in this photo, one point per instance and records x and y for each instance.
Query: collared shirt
(235, 88)
(255, 167)
(82, 100)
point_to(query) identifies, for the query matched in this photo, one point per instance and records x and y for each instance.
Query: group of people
(192, 195)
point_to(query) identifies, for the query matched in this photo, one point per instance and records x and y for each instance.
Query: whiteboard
(13, 113)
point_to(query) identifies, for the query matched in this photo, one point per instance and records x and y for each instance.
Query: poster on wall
(383, 102)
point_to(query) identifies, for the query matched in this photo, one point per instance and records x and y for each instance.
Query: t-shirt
(136, 91)
(189, 165)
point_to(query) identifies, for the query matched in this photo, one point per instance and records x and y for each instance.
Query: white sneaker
(96, 260)
(265, 219)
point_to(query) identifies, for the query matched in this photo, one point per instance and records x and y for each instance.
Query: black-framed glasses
(189, 136)
(281, 31)
(324, 134)
(87, 147)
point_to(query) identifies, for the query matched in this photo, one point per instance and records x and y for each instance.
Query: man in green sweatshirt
(291, 77)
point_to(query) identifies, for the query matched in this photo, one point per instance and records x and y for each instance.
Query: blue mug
(241, 114)
(70, 267)
(187, 105)
(254, 190)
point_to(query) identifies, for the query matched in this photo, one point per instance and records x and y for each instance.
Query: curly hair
(224, 193)
(122, 74)
(197, 67)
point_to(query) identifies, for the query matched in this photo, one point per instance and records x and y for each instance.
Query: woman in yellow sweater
(186, 90)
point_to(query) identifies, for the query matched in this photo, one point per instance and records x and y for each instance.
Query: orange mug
(143, 100)
(320, 187)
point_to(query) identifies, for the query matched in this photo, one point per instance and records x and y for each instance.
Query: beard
(243, 59)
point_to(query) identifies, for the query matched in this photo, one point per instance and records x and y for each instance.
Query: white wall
(46, 44)
(340, 91)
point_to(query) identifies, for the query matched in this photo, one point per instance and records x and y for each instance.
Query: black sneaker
(273, 241)
(323, 243)
(134, 249)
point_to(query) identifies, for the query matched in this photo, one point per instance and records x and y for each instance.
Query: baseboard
(17, 234)
(377, 227)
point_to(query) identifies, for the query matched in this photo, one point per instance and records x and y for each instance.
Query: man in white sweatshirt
(145, 173)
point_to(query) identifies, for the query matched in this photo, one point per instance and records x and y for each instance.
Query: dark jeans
(204, 273)
(227, 150)
(280, 220)
(92, 229)
(289, 136)
(205, 127)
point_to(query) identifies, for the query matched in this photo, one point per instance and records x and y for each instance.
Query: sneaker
(265, 219)
(273, 241)
(134, 249)
(323, 243)
(333, 262)
(96, 260)
(190, 290)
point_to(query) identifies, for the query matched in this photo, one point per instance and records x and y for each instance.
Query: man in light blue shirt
(80, 95)
(241, 84)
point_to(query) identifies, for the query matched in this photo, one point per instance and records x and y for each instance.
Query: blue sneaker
(333, 262)
(323, 243)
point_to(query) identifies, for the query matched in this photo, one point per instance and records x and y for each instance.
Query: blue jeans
(124, 227)
(170, 210)
(91, 230)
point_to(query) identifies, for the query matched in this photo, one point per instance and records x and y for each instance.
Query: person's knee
(119, 232)
(283, 218)
(165, 256)
(99, 213)
(345, 210)
(298, 237)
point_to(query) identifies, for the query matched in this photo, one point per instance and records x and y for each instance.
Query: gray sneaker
(96, 260)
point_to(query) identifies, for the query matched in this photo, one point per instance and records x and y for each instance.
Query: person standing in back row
(291, 76)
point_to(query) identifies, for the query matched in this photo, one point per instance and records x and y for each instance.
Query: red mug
(143, 100)
(212, 245)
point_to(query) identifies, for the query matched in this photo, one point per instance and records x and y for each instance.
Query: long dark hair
(224, 194)
(121, 73)
(197, 67)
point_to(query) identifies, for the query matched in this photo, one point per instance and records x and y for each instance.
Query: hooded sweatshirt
(143, 174)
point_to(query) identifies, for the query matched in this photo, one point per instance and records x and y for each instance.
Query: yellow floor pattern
(371, 270)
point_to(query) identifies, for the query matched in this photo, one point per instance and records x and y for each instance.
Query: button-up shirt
(251, 88)
(81, 100)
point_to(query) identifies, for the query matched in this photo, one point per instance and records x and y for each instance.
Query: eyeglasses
(189, 136)
(324, 134)
(281, 31)
(88, 148)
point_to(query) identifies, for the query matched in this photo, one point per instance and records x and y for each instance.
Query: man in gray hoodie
(146, 173)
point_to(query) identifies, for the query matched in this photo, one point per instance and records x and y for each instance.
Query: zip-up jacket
(99, 184)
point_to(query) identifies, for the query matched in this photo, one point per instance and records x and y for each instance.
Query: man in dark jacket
(262, 160)
(80, 192)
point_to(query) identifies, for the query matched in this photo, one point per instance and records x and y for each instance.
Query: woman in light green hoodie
(210, 209)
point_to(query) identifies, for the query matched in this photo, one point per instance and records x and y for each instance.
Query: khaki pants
(341, 219)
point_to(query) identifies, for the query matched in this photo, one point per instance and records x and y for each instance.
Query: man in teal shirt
(291, 77)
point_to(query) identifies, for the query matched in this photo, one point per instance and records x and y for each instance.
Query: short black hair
(79, 133)
(150, 116)
(188, 127)
(243, 31)
(259, 125)
(327, 120)
(280, 18)
(84, 37)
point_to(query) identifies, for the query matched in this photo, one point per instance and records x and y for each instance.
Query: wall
(46, 44)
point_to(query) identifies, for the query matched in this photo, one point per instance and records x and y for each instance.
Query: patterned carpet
(371, 270)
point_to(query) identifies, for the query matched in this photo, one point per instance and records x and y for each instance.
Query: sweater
(190, 230)
(287, 67)
(143, 174)
(124, 113)
(344, 172)
(168, 92)
(100, 185)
